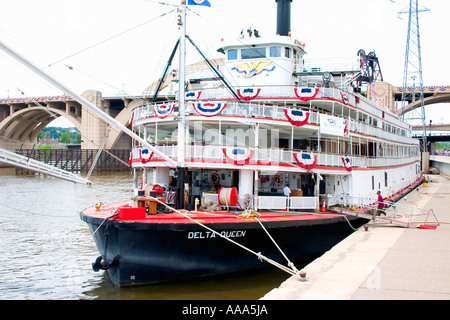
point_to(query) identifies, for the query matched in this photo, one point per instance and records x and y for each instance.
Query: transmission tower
(412, 76)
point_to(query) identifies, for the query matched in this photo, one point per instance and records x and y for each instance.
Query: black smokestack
(283, 17)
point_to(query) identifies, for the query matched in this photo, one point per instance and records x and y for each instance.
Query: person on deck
(286, 191)
(380, 206)
(274, 186)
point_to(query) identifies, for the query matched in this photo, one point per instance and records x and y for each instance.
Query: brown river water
(46, 251)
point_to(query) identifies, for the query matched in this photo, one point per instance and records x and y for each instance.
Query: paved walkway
(385, 262)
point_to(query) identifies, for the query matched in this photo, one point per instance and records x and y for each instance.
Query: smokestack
(283, 17)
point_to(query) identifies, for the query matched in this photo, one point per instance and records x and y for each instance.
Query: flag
(199, 3)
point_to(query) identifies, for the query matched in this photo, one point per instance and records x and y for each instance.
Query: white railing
(303, 203)
(270, 111)
(275, 156)
(273, 203)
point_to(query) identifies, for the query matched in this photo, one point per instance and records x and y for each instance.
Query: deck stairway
(394, 213)
(17, 160)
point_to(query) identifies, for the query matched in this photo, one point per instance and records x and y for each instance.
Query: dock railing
(399, 213)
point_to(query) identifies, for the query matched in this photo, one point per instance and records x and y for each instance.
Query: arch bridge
(22, 119)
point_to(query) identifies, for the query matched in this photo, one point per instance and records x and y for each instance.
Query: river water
(46, 251)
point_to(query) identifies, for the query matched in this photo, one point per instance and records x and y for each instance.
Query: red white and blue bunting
(344, 97)
(248, 93)
(306, 160)
(430, 88)
(347, 163)
(34, 99)
(296, 117)
(130, 121)
(193, 95)
(209, 109)
(306, 94)
(146, 155)
(237, 155)
(163, 110)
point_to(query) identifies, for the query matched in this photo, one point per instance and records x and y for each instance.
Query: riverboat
(242, 169)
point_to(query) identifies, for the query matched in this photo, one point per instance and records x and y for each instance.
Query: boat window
(232, 54)
(275, 51)
(287, 52)
(253, 53)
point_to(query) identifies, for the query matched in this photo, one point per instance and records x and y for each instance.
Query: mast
(179, 201)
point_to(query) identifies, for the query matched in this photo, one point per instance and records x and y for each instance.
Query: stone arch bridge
(389, 96)
(22, 119)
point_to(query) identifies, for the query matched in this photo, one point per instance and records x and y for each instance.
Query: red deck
(138, 215)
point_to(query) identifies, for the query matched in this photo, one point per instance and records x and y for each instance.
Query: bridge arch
(23, 125)
(435, 99)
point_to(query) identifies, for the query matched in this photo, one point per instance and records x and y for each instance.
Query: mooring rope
(292, 271)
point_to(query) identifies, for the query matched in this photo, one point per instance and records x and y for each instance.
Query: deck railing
(273, 157)
(273, 202)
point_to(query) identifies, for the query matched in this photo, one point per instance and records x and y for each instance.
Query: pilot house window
(275, 52)
(232, 54)
(253, 53)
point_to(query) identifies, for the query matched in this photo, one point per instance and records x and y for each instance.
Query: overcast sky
(115, 45)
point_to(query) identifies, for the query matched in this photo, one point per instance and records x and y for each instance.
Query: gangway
(17, 160)
(393, 213)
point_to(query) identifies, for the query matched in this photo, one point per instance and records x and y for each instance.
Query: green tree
(66, 137)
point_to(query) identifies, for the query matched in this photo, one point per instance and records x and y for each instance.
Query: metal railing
(272, 202)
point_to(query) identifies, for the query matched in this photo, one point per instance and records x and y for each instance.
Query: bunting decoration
(36, 99)
(306, 160)
(430, 88)
(130, 159)
(146, 155)
(248, 94)
(306, 94)
(296, 117)
(238, 156)
(209, 109)
(347, 163)
(163, 110)
(193, 95)
(344, 97)
(130, 121)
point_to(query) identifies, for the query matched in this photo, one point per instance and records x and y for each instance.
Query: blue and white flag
(199, 3)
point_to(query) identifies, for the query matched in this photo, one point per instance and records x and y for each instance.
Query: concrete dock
(386, 261)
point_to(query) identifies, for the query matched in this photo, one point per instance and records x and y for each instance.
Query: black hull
(138, 253)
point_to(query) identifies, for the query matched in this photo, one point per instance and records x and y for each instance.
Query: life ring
(278, 179)
(214, 178)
